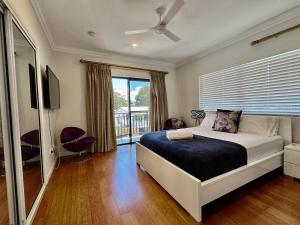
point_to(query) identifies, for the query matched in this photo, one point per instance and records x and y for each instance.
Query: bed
(263, 154)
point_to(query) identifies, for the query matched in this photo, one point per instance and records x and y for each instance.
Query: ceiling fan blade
(170, 35)
(136, 31)
(172, 11)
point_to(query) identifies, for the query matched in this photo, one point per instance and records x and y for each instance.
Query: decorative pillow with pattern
(177, 123)
(227, 121)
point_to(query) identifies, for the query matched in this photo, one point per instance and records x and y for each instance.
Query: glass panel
(139, 106)
(28, 117)
(122, 125)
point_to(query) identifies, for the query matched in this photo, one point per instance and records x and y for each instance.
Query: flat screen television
(32, 85)
(51, 90)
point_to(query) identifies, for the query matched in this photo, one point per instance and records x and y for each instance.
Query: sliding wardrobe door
(29, 120)
(25, 118)
(8, 209)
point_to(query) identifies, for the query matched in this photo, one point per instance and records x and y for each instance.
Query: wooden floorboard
(111, 189)
(32, 184)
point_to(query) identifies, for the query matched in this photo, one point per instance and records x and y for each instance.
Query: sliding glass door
(139, 108)
(131, 108)
(121, 110)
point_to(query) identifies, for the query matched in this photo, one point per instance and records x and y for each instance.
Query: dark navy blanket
(201, 157)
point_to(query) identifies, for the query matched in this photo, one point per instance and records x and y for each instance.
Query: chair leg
(2, 170)
(79, 158)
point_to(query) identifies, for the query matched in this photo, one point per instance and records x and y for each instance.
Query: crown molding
(149, 62)
(285, 17)
(266, 25)
(107, 56)
(43, 22)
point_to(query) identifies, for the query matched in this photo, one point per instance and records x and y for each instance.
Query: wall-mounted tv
(32, 85)
(51, 90)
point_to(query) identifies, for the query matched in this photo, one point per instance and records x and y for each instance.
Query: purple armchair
(30, 145)
(72, 140)
(1, 154)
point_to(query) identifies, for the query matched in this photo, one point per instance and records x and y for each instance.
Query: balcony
(139, 125)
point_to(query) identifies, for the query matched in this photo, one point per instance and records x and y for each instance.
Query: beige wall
(238, 53)
(71, 74)
(25, 14)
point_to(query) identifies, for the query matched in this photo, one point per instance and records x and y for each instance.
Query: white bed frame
(190, 192)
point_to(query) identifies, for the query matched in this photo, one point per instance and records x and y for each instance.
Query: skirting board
(189, 191)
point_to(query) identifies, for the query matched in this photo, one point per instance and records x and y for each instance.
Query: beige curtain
(158, 101)
(99, 107)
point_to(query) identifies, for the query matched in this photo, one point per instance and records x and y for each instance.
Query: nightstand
(292, 160)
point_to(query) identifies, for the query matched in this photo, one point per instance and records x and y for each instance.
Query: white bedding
(257, 146)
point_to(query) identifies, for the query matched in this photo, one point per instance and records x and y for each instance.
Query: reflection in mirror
(28, 117)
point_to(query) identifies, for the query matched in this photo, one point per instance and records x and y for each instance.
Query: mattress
(257, 146)
(202, 157)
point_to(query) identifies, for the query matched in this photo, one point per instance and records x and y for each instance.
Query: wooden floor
(4, 220)
(32, 185)
(111, 189)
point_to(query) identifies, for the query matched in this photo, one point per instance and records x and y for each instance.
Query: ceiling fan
(161, 27)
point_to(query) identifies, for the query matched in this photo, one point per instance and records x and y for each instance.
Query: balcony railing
(139, 125)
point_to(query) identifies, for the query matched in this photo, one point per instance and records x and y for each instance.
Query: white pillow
(266, 126)
(208, 121)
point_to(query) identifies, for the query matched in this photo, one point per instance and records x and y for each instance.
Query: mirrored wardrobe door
(29, 120)
(8, 207)
(4, 212)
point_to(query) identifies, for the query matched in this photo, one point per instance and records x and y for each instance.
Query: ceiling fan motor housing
(161, 10)
(160, 28)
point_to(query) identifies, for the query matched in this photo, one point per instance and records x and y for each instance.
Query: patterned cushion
(227, 121)
(174, 123)
(177, 123)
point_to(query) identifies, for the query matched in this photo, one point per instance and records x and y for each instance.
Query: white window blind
(266, 86)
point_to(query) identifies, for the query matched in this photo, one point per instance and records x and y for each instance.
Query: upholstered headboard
(285, 126)
(286, 129)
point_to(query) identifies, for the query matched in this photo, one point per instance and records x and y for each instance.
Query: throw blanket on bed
(201, 157)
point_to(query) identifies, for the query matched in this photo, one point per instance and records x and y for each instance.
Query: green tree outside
(119, 101)
(142, 98)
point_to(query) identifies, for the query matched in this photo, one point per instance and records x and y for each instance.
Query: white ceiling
(201, 24)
